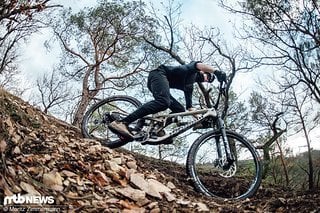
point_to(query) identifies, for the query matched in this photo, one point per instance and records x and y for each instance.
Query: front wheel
(96, 119)
(216, 176)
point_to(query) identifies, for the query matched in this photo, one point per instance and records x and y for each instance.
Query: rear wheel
(96, 119)
(221, 178)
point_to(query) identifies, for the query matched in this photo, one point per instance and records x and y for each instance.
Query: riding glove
(221, 76)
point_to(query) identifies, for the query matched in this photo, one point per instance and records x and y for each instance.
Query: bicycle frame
(210, 112)
(160, 119)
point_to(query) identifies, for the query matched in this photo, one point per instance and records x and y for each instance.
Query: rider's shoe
(120, 128)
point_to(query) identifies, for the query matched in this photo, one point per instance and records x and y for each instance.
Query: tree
(9, 79)
(54, 91)
(265, 117)
(285, 35)
(103, 47)
(299, 103)
(170, 42)
(18, 20)
(298, 112)
(288, 32)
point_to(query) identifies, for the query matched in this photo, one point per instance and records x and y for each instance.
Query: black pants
(158, 84)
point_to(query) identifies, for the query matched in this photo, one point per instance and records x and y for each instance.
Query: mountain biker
(159, 83)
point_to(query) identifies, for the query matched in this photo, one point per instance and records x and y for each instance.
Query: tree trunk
(266, 150)
(310, 161)
(311, 172)
(283, 164)
(266, 162)
(84, 102)
(86, 97)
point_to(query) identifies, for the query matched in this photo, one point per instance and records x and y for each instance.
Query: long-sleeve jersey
(182, 77)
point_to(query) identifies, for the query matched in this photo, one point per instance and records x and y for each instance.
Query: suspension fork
(226, 145)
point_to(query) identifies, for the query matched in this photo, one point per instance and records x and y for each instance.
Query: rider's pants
(158, 84)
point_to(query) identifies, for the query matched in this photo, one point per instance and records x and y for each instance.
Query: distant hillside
(46, 162)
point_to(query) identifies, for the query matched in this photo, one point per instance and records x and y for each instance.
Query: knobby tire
(95, 125)
(240, 181)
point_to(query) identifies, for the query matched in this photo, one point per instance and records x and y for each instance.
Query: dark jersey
(182, 77)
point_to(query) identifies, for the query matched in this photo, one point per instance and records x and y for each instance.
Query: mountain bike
(220, 163)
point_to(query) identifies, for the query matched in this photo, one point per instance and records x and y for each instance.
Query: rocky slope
(45, 158)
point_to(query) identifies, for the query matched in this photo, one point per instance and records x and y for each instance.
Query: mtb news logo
(28, 199)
